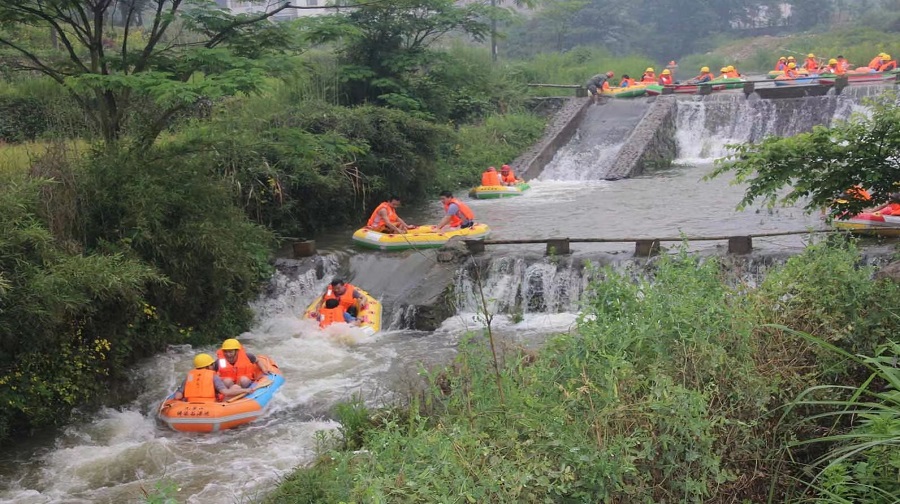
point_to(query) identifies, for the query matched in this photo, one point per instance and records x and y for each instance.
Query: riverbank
(671, 388)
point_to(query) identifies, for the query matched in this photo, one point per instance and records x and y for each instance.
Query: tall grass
(669, 390)
(577, 66)
(18, 158)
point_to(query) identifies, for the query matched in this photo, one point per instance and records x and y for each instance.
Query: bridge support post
(305, 248)
(646, 248)
(581, 92)
(704, 89)
(840, 83)
(749, 88)
(475, 246)
(897, 80)
(740, 245)
(558, 246)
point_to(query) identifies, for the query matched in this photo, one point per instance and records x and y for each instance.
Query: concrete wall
(560, 130)
(651, 144)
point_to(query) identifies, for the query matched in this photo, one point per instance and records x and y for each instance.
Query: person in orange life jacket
(626, 81)
(649, 76)
(333, 312)
(236, 366)
(490, 177)
(811, 63)
(888, 64)
(347, 295)
(732, 72)
(833, 67)
(665, 78)
(203, 382)
(723, 73)
(781, 65)
(507, 177)
(876, 62)
(843, 64)
(705, 76)
(456, 213)
(385, 219)
(791, 71)
(893, 206)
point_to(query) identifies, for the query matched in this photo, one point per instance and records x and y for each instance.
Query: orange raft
(214, 416)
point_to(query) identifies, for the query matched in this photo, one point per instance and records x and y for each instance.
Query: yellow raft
(369, 316)
(418, 238)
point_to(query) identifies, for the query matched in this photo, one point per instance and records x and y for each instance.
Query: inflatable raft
(214, 416)
(493, 192)
(857, 76)
(774, 74)
(871, 223)
(656, 89)
(800, 81)
(419, 238)
(625, 92)
(730, 82)
(369, 316)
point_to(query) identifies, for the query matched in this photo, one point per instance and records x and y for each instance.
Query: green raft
(494, 192)
(730, 83)
(625, 92)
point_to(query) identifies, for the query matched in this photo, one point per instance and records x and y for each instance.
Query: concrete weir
(651, 144)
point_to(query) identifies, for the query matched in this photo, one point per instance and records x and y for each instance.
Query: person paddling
(490, 177)
(507, 177)
(385, 219)
(234, 365)
(456, 213)
(202, 383)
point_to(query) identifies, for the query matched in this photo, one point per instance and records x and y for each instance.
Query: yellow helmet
(782, 59)
(730, 68)
(791, 58)
(649, 69)
(666, 72)
(704, 69)
(881, 54)
(792, 65)
(231, 344)
(832, 61)
(202, 360)
(724, 69)
(887, 57)
(810, 55)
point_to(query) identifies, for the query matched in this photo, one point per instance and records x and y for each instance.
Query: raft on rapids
(871, 223)
(500, 191)
(656, 89)
(369, 316)
(625, 92)
(421, 237)
(213, 416)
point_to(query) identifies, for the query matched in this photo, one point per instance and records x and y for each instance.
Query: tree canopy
(817, 168)
(153, 58)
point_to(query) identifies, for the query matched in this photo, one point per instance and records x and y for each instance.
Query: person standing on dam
(598, 83)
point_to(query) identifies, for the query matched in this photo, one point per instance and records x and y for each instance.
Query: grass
(576, 67)
(670, 390)
(18, 158)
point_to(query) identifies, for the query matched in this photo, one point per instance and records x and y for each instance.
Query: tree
(115, 66)
(382, 44)
(820, 166)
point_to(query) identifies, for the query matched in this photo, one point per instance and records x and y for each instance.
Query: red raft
(872, 223)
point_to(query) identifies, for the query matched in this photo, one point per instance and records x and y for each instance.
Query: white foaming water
(706, 125)
(577, 161)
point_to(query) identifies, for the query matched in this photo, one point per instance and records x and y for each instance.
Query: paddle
(261, 383)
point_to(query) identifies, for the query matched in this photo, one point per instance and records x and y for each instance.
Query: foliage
(823, 164)
(61, 313)
(167, 211)
(668, 391)
(578, 65)
(385, 47)
(861, 464)
(188, 50)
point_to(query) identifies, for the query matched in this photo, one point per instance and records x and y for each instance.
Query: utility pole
(493, 31)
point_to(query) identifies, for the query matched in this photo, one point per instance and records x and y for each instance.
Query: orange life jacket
(889, 65)
(703, 77)
(241, 367)
(605, 85)
(346, 299)
(781, 65)
(843, 65)
(464, 209)
(328, 316)
(732, 74)
(490, 178)
(509, 178)
(875, 64)
(791, 73)
(648, 77)
(199, 385)
(376, 221)
(629, 81)
(858, 192)
(665, 80)
(890, 209)
(811, 64)
(833, 69)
